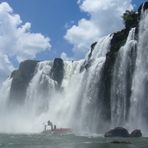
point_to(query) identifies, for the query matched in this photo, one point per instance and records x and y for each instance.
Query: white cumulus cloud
(65, 57)
(17, 40)
(104, 18)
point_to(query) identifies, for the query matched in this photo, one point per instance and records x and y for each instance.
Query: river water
(68, 141)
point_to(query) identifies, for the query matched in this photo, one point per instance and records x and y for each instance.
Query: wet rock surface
(21, 79)
(136, 133)
(57, 71)
(117, 132)
(123, 132)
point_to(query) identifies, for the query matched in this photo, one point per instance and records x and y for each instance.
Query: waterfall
(139, 102)
(4, 94)
(101, 48)
(4, 99)
(77, 100)
(40, 88)
(73, 104)
(121, 82)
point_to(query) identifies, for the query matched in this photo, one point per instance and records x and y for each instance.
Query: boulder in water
(136, 133)
(117, 132)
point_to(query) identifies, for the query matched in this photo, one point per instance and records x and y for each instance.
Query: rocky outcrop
(117, 132)
(57, 71)
(21, 79)
(92, 48)
(25, 73)
(136, 133)
(122, 132)
(87, 63)
(143, 7)
(118, 40)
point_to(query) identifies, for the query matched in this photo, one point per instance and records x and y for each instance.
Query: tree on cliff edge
(130, 19)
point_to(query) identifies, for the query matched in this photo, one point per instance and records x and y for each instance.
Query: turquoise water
(68, 141)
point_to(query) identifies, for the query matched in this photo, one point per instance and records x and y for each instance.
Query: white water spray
(120, 102)
(73, 106)
(139, 105)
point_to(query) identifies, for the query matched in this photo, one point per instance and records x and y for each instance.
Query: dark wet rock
(57, 70)
(120, 142)
(92, 48)
(119, 39)
(136, 133)
(117, 132)
(87, 63)
(143, 7)
(21, 79)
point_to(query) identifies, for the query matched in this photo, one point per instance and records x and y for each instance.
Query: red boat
(54, 130)
(59, 131)
(62, 131)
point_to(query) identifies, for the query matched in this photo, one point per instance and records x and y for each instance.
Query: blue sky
(50, 17)
(138, 2)
(45, 29)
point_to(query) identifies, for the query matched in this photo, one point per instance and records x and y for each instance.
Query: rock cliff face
(21, 79)
(57, 71)
(142, 8)
(25, 73)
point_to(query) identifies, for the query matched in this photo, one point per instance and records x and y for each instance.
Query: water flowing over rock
(21, 79)
(57, 71)
(122, 80)
(139, 102)
(105, 90)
